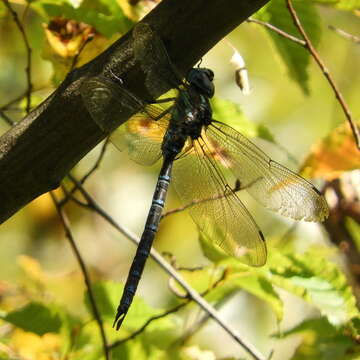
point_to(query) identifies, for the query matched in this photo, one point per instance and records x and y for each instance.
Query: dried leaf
(241, 73)
(332, 156)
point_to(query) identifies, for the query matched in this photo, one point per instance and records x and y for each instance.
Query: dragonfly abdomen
(147, 238)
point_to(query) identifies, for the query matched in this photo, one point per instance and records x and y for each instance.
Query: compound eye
(210, 74)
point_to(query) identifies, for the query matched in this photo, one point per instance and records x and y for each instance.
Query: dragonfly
(196, 151)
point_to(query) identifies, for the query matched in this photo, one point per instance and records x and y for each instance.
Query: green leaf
(106, 16)
(200, 279)
(107, 297)
(320, 341)
(139, 349)
(213, 252)
(317, 280)
(230, 113)
(264, 133)
(130, 350)
(354, 229)
(35, 317)
(296, 58)
(230, 276)
(3, 10)
(348, 5)
(253, 280)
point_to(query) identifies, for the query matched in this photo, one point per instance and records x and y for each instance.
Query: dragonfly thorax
(191, 112)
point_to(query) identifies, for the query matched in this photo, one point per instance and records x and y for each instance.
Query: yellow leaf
(67, 39)
(42, 208)
(332, 156)
(66, 36)
(34, 347)
(31, 267)
(137, 9)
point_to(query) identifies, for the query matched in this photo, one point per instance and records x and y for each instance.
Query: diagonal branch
(325, 71)
(39, 151)
(345, 34)
(278, 31)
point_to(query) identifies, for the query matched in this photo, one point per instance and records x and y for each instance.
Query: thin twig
(345, 34)
(98, 160)
(13, 101)
(28, 55)
(325, 71)
(194, 295)
(76, 57)
(69, 196)
(6, 118)
(65, 223)
(147, 323)
(165, 313)
(278, 31)
(203, 319)
(69, 193)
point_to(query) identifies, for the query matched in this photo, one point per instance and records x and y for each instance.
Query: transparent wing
(218, 212)
(272, 184)
(142, 134)
(142, 137)
(150, 51)
(108, 103)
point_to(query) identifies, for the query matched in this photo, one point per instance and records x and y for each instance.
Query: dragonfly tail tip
(119, 318)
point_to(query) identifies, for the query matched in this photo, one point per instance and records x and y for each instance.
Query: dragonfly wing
(142, 137)
(108, 103)
(218, 212)
(272, 184)
(150, 51)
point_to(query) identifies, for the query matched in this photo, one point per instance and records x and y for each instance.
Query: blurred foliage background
(302, 304)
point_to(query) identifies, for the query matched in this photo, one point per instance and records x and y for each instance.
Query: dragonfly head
(202, 80)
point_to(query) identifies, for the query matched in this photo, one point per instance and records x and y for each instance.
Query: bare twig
(193, 295)
(65, 223)
(69, 196)
(69, 193)
(76, 57)
(13, 101)
(277, 30)
(97, 162)
(165, 313)
(325, 71)
(28, 55)
(345, 34)
(6, 118)
(147, 323)
(203, 320)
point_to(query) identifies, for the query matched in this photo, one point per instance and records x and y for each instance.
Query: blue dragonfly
(195, 150)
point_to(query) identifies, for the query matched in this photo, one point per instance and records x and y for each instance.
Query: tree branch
(28, 55)
(93, 305)
(39, 151)
(354, 128)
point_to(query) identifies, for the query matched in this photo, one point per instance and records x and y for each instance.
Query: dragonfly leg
(162, 114)
(165, 100)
